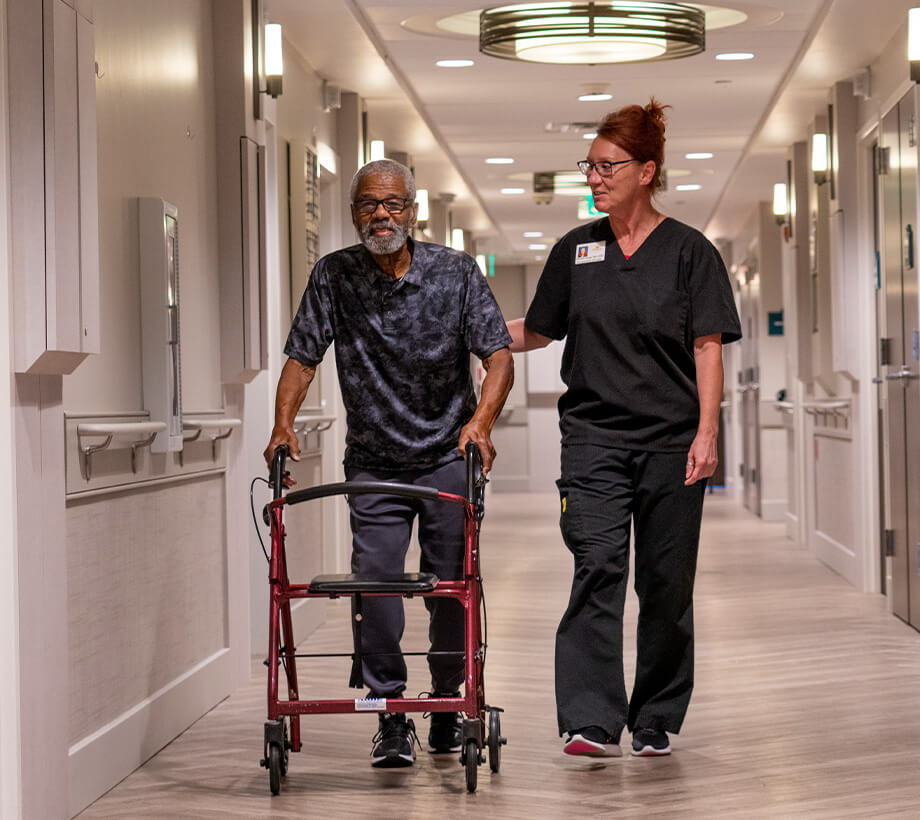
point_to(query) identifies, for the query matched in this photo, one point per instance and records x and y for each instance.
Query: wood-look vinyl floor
(807, 704)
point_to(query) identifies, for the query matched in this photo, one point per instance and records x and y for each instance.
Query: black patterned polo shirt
(402, 350)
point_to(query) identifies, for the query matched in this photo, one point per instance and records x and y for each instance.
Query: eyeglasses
(393, 205)
(604, 168)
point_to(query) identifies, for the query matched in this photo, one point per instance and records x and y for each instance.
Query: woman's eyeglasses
(604, 167)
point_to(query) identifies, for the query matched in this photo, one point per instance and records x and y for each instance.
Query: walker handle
(276, 480)
(475, 480)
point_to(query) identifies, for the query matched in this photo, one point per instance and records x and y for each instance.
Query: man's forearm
(292, 390)
(496, 386)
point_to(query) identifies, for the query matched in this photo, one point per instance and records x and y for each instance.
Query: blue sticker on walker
(370, 704)
(590, 252)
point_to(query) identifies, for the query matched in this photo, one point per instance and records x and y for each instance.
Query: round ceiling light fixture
(608, 31)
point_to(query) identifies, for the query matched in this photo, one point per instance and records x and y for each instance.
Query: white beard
(384, 245)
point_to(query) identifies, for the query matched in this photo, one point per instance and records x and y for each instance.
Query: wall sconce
(421, 199)
(819, 157)
(378, 151)
(780, 203)
(274, 60)
(267, 58)
(913, 43)
(457, 239)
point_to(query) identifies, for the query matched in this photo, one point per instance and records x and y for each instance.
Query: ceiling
(450, 120)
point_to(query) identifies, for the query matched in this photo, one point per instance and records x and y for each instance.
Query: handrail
(838, 408)
(203, 424)
(784, 406)
(306, 423)
(115, 430)
(825, 404)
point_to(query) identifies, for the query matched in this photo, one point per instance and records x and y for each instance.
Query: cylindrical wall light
(913, 43)
(421, 199)
(274, 59)
(780, 203)
(457, 239)
(378, 150)
(819, 157)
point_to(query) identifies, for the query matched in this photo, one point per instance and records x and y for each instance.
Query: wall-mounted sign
(774, 323)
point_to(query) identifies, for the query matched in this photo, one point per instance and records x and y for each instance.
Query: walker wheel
(286, 745)
(274, 768)
(495, 741)
(471, 759)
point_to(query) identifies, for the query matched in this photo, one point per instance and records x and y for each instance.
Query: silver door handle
(903, 373)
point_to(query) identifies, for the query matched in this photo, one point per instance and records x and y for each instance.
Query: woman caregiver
(644, 304)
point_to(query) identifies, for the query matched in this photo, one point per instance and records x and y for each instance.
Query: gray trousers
(381, 528)
(603, 490)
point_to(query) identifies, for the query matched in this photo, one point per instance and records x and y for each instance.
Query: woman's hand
(702, 458)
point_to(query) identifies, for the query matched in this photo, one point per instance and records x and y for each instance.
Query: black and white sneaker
(650, 743)
(394, 743)
(446, 733)
(592, 741)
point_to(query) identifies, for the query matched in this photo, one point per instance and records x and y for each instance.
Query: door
(749, 390)
(900, 349)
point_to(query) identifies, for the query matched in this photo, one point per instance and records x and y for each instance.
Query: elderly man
(405, 316)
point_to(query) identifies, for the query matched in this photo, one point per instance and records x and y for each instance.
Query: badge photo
(589, 252)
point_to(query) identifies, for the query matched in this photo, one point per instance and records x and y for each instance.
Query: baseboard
(839, 557)
(773, 509)
(99, 761)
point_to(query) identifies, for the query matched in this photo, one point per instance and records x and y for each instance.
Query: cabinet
(53, 182)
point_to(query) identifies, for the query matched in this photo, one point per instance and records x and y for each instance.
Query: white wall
(136, 621)
(10, 774)
(156, 132)
(511, 472)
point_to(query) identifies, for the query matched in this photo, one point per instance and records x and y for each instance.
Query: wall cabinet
(54, 203)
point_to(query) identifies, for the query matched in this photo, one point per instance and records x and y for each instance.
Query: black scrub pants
(381, 528)
(602, 490)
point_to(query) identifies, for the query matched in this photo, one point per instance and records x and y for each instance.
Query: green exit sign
(586, 209)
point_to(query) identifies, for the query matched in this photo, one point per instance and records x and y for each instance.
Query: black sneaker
(394, 743)
(591, 741)
(650, 743)
(446, 733)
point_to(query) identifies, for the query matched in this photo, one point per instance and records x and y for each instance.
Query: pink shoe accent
(578, 745)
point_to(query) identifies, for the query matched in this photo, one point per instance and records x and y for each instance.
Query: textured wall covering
(146, 576)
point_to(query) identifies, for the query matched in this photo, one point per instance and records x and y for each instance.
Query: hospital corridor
(658, 259)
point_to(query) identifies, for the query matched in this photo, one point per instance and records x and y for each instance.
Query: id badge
(588, 252)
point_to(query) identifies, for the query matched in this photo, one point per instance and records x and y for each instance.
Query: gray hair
(384, 166)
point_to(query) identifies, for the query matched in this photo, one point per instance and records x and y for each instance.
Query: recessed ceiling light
(499, 161)
(698, 155)
(512, 190)
(537, 246)
(454, 63)
(735, 55)
(533, 234)
(688, 187)
(594, 97)
(589, 136)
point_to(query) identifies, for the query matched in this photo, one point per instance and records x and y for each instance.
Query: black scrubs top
(629, 326)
